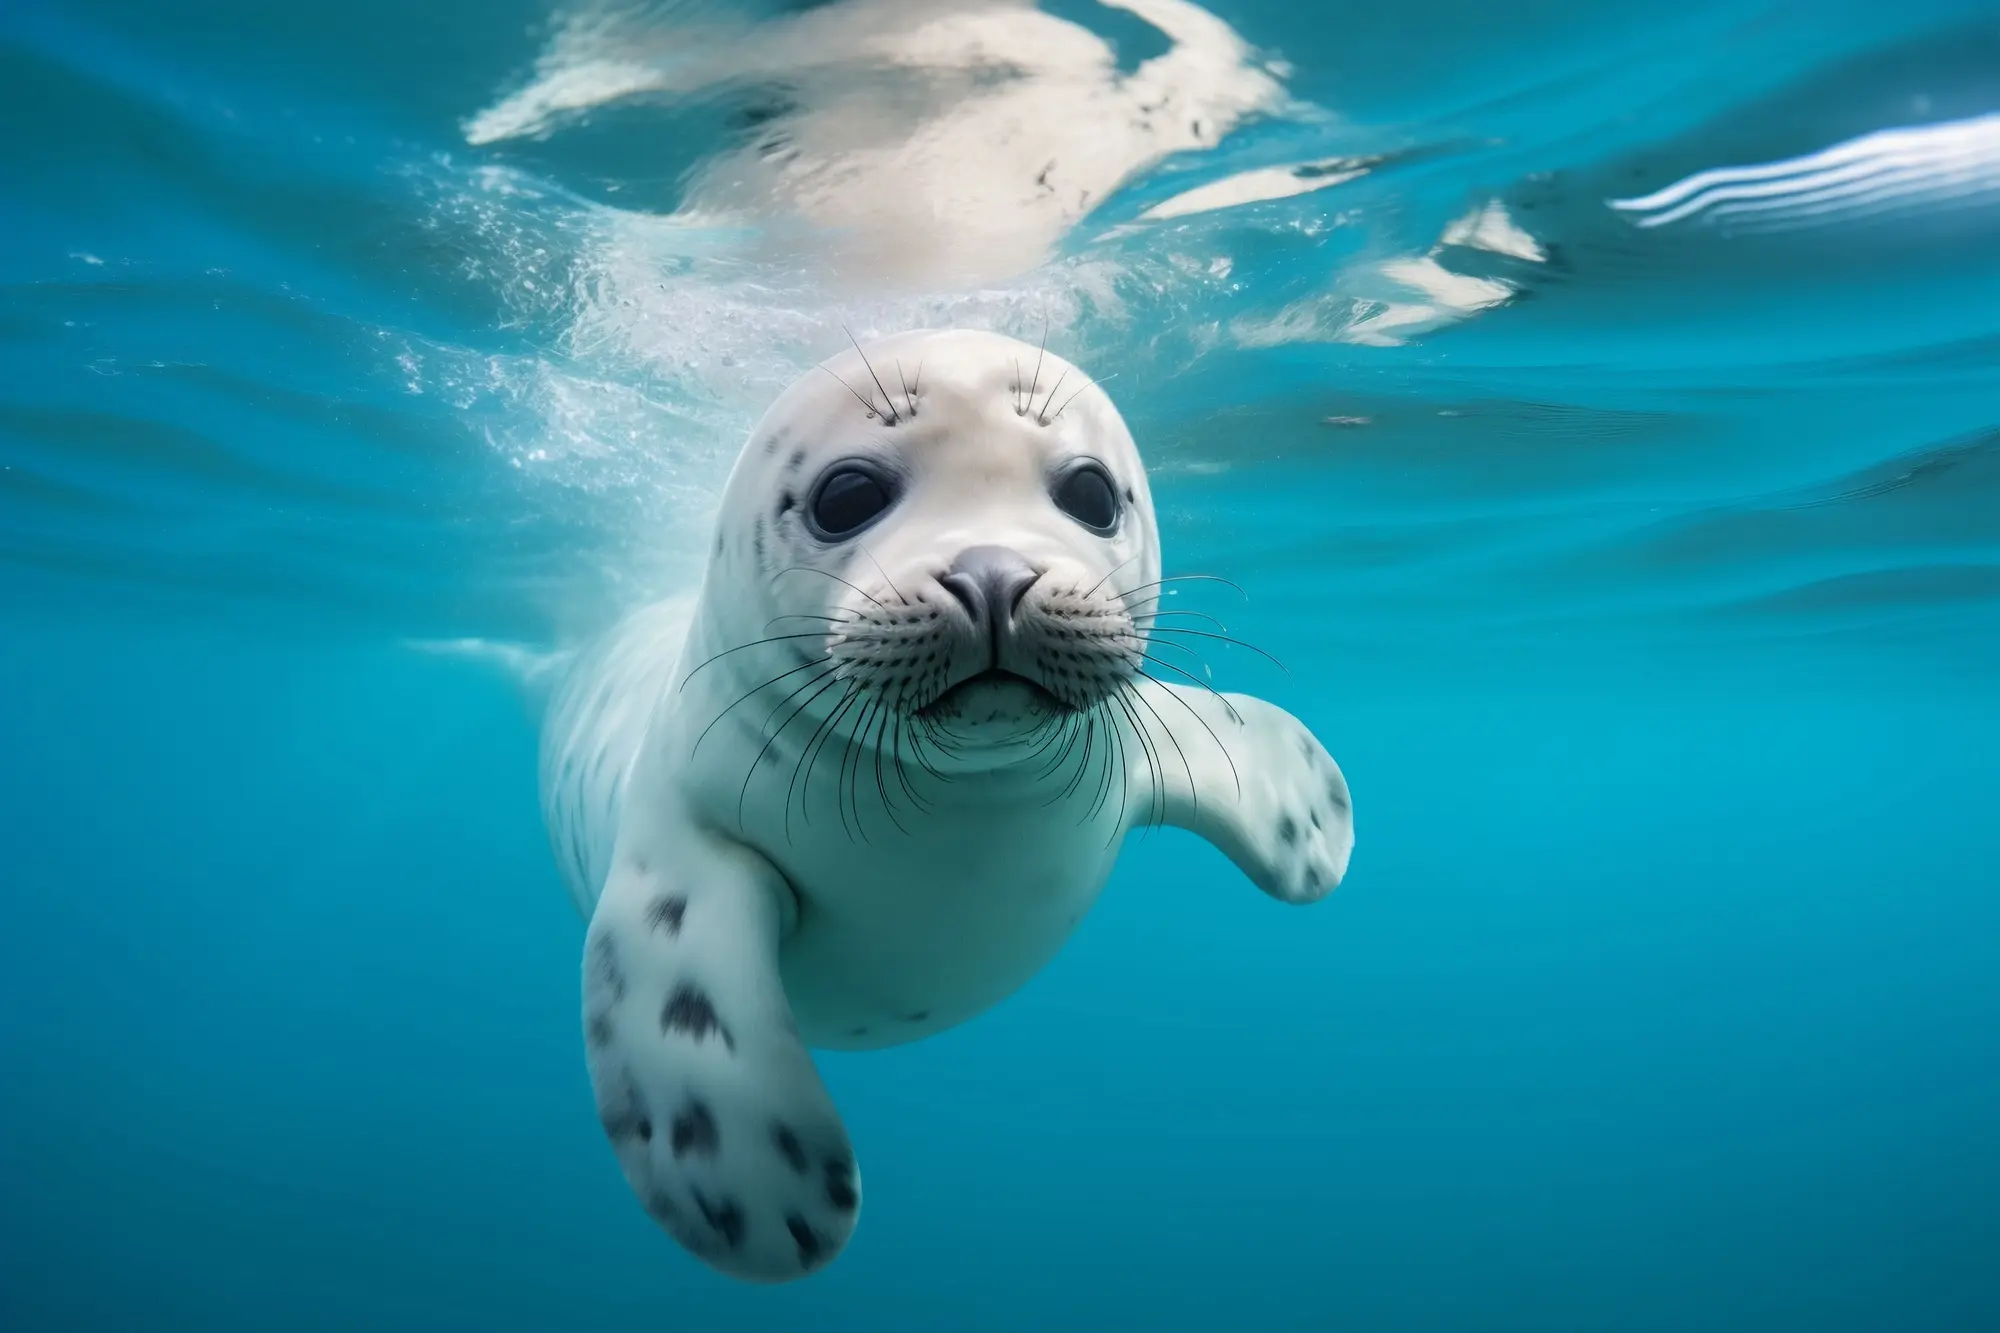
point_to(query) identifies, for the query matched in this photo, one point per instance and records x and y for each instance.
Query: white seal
(871, 782)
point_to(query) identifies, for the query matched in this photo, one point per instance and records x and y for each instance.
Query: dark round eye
(1085, 493)
(847, 500)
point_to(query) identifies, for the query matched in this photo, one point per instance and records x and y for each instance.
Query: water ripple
(1659, 323)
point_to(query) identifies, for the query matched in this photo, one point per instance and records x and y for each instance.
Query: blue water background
(1654, 615)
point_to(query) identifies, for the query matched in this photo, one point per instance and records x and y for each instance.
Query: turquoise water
(1598, 405)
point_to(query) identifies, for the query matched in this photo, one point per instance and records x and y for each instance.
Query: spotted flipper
(710, 1099)
(1249, 778)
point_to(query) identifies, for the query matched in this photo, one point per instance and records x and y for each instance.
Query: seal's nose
(989, 581)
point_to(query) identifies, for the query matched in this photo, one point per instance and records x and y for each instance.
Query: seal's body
(868, 785)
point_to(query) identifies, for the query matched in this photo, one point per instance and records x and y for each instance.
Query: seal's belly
(896, 942)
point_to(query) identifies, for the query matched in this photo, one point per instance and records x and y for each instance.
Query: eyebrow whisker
(891, 415)
(867, 403)
(1041, 418)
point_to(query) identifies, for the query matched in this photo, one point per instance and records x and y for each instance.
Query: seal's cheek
(772, 540)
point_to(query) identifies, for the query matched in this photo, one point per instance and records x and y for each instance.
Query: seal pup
(866, 786)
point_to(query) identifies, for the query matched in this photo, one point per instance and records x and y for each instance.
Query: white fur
(753, 891)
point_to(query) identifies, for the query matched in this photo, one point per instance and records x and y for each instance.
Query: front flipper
(719, 1119)
(1248, 777)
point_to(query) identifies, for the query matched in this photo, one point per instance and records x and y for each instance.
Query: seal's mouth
(994, 686)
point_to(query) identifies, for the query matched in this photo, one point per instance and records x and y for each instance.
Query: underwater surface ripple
(1600, 406)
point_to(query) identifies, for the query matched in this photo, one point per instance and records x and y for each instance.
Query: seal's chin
(994, 704)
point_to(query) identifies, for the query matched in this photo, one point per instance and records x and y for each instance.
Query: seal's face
(956, 528)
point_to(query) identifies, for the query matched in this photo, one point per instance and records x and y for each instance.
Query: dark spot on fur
(661, 1206)
(694, 1131)
(1336, 796)
(1130, 498)
(1310, 881)
(809, 1243)
(718, 543)
(666, 913)
(857, 1032)
(785, 503)
(625, 1115)
(840, 1184)
(788, 1144)
(597, 1032)
(1315, 819)
(725, 1216)
(1305, 746)
(917, 1017)
(797, 459)
(690, 1011)
(698, 1241)
(1288, 830)
(605, 974)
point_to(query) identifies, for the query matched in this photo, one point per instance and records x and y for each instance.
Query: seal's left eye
(847, 500)
(1086, 495)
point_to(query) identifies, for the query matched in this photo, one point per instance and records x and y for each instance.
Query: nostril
(967, 590)
(1017, 588)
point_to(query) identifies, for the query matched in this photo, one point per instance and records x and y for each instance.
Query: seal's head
(957, 528)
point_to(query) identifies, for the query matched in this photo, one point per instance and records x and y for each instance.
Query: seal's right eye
(847, 500)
